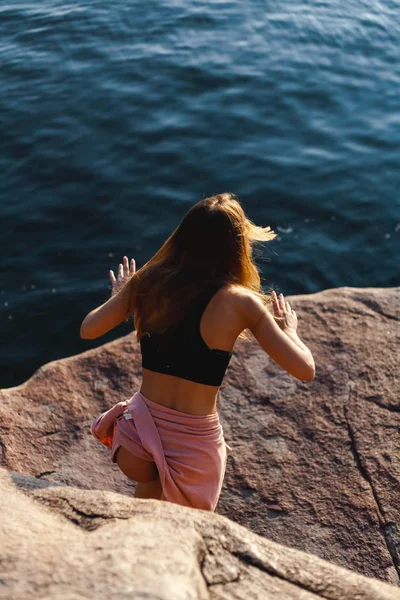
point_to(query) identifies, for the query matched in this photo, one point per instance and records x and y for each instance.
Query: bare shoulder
(247, 304)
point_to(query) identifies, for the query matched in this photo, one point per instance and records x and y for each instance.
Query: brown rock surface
(317, 466)
(314, 466)
(68, 543)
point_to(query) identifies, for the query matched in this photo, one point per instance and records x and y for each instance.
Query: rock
(45, 423)
(68, 543)
(315, 466)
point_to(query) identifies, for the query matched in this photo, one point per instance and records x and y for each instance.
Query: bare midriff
(220, 325)
(179, 394)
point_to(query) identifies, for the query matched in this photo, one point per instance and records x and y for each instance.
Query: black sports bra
(183, 352)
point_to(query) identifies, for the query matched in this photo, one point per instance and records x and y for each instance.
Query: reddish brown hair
(212, 244)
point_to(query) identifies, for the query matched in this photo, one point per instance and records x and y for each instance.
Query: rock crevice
(388, 530)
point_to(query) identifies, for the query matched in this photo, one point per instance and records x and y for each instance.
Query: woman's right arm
(110, 314)
(281, 341)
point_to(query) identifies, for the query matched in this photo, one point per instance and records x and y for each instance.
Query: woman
(190, 303)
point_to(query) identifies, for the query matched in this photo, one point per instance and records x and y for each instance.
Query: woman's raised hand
(125, 271)
(286, 318)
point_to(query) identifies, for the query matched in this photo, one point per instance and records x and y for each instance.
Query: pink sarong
(189, 450)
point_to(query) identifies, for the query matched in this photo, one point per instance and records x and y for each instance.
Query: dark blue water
(117, 116)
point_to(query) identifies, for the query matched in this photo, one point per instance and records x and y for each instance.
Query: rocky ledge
(315, 466)
(72, 544)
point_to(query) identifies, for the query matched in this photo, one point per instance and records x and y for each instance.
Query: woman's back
(219, 326)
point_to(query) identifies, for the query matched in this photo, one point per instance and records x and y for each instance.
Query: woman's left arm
(110, 314)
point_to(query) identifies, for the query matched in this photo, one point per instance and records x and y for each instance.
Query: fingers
(125, 266)
(125, 270)
(280, 305)
(275, 303)
(281, 301)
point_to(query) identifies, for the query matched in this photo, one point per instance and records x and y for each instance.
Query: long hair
(212, 244)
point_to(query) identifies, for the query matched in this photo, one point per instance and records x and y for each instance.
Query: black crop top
(182, 352)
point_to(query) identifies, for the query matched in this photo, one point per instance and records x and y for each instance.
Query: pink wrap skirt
(189, 450)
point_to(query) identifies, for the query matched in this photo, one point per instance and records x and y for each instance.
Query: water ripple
(115, 118)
